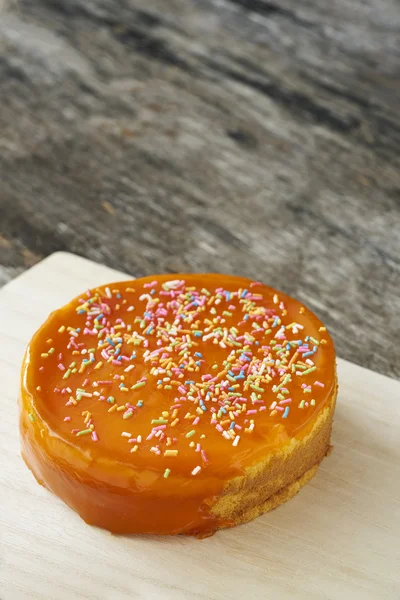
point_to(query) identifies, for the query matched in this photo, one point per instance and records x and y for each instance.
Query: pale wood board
(339, 538)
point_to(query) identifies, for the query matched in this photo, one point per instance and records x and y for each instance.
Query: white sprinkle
(236, 440)
(108, 292)
(126, 434)
(129, 368)
(139, 439)
(196, 470)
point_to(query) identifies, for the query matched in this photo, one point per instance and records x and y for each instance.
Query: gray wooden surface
(257, 137)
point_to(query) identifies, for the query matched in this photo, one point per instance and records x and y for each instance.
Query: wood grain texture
(254, 137)
(336, 540)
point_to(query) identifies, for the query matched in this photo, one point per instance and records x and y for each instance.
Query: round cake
(177, 404)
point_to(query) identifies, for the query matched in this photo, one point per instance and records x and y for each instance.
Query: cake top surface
(193, 376)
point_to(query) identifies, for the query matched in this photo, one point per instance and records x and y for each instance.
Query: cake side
(280, 475)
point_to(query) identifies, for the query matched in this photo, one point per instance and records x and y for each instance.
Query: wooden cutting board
(338, 539)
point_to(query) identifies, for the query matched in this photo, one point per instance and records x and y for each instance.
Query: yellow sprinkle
(114, 407)
(171, 453)
(99, 364)
(44, 355)
(38, 388)
(122, 407)
(61, 329)
(135, 447)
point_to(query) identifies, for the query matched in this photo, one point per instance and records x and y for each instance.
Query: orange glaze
(97, 473)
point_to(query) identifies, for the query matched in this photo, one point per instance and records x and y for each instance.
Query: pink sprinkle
(262, 408)
(238, 427)
(207, 377)
(74, 431)
(159, 427)
(204, 456)
(319, 384)
(85, 382)
(251, 412)
(196, 421)
(255, 283)
(41, 369)
(94, 436)
(286, 401)
(150, 436)
(117, 363)
(279, 408)
(67, 419)
(198, 448)
(181, 389)
(219, 427)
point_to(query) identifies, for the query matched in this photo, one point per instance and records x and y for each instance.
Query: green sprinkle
(284, 382)
(67, 374)
(190, 433)
(138, 385)
(256, 388)
(128, 414)
(159, 421)
(167, 387)
(166, 473)
(111, 399)
(51, 351)
(312, 402)
(31, 417)
(310, 370)
(316, 342)
(83, 432)
(226, 313)
(302, 403)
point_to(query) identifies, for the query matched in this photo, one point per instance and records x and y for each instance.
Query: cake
(177, 404)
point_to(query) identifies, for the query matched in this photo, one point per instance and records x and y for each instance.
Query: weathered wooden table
(259, 137)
